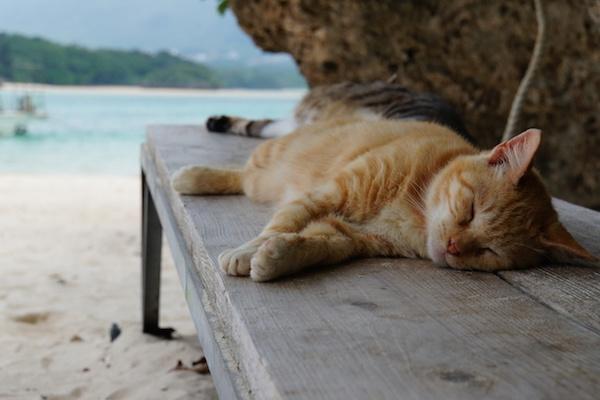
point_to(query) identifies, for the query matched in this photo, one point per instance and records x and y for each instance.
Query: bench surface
(378, 328)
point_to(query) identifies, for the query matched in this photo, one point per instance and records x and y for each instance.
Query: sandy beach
(139, 90)
(70, 265)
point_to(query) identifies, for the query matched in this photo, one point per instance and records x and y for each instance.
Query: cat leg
(328, 241)
(265, 128)
(292, 217)
(197, 180)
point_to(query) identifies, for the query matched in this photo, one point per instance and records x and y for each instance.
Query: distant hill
(261, 76)
(189, 27)
(26, 59)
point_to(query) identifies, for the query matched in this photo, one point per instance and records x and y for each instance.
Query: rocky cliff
(473, 53)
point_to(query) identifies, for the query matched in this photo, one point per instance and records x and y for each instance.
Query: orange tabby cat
(349, 188)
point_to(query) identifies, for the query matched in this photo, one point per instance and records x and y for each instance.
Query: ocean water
(100, 132)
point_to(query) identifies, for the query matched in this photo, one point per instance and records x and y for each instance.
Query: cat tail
(256, 128)
(199, 180)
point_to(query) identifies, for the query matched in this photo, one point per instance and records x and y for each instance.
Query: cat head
(490, 211)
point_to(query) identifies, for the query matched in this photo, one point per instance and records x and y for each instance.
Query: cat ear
(562, 247)
(515, 156)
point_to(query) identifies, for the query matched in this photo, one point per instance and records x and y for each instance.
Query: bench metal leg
(151, 257)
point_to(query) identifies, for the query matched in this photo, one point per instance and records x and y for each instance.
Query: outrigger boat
(14, 122)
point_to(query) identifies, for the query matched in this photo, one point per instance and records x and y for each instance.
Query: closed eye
(466, 221)
(489, 250)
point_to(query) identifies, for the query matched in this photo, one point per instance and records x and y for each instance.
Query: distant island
(29, 59)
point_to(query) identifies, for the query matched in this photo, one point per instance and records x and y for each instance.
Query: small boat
(14, 122)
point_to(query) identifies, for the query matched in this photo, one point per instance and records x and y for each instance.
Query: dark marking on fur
(219, 124)
(386, 99)
(255, 127)
(249, 126)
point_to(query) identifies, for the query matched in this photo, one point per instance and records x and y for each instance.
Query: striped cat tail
(256, 128)
(236, 125)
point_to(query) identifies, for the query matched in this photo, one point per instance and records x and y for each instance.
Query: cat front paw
(276, 257)
(236, 262)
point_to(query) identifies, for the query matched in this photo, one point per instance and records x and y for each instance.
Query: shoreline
(141, 90)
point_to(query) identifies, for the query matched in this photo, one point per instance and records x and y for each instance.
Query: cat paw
(276, 257)
(236, 261)
(218, 123)
(183, 180)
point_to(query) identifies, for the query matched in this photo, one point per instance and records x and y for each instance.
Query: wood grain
(215, 343)
(380, 328)
(570, 290)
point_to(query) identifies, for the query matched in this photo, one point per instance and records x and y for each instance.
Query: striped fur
(375, 100)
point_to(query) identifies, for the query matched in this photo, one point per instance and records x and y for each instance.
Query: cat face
(491, 211)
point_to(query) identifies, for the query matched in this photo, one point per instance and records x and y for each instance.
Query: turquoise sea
(100, 132)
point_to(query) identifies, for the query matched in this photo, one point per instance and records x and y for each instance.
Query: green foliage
(222, 6)
(260, 77)
(24, 59)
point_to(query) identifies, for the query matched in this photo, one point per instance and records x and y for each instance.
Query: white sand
(70, 265)
(139, 90)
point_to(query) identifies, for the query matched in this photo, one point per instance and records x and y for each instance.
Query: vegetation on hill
(259, 76)
(25, 59)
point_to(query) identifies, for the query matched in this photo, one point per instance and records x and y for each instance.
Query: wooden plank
(572, 291)
(372, 328)
(213, 339)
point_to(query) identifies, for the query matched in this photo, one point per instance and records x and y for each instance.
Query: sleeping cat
(374, 170)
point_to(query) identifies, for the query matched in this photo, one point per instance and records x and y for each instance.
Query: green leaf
(223, 6)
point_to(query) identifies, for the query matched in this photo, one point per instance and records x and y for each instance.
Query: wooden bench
(370, 329)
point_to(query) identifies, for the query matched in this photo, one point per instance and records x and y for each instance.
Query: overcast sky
(189, 27)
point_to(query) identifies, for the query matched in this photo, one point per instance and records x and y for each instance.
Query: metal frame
(156, 215)
(151, 265)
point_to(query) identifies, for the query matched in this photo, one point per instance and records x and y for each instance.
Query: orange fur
(346, 188)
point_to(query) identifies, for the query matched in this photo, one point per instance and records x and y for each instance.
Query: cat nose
(452, 247)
